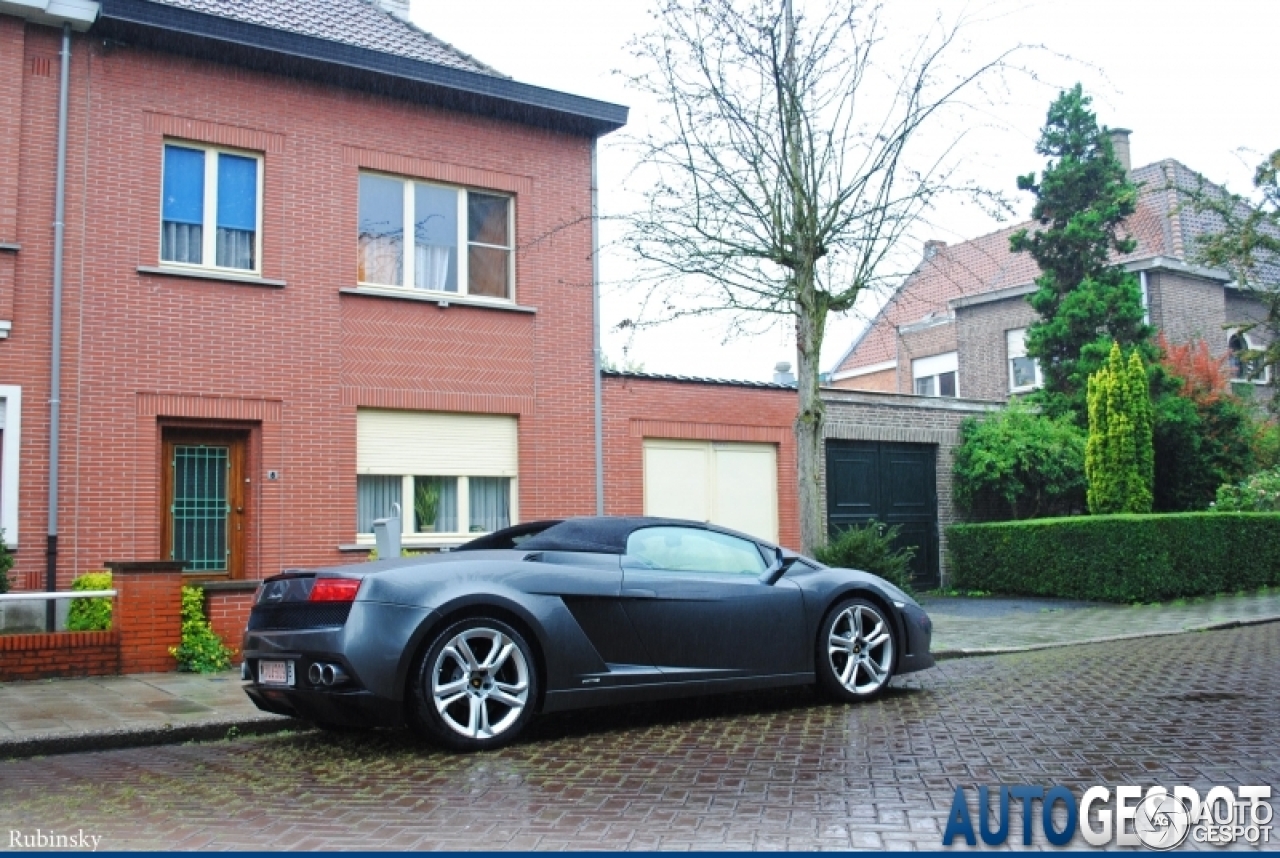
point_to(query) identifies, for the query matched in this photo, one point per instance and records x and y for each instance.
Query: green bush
(1018, 464)
(1119, 558)
(6, 563)
(90, 615)
(1259, 493)
(871, 548)
(1119, 460)
(201, 650)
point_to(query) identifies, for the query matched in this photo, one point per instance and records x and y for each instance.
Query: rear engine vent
(299, 615)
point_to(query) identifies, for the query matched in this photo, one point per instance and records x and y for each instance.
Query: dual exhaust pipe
(327, 675)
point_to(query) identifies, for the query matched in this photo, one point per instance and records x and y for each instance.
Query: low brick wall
(227, 607)
(40, 656)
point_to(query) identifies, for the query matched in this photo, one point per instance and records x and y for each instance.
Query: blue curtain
(237, 211)
(182, 235)
(374, 497)
(490, 503)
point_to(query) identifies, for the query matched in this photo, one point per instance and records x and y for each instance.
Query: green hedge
(1118, 558)
(90, 615)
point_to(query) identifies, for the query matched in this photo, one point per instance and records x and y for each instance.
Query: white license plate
(275, 672)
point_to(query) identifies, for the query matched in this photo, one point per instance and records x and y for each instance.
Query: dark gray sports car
(465, 647)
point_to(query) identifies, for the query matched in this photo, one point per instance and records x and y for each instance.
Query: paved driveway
(776, 770)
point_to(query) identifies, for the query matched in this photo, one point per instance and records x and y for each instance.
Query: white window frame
(9, 462)
(1263, 379)
(209, 229)
(410, 538)
(932, 367)
(409, 260)
(1016, 347)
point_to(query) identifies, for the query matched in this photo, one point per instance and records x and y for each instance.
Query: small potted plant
(426, 504)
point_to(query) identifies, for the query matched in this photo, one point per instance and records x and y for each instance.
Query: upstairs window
(936, 375)
(435, 238)
(1246, 368)
(1024, 372)
(211, 214)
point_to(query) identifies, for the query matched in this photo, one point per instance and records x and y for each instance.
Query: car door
(697, 601)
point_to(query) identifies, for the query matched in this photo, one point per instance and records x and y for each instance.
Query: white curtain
(182, 242)
(431, 267)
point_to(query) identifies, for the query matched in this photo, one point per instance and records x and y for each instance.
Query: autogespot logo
(1161, 819)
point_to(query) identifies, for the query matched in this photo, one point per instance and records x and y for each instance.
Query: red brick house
(314, 262)
(956, 325)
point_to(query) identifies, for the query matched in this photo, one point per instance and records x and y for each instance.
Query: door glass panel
(200, 506)
(685, 549)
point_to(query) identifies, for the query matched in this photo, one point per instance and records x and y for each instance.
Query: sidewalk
(63, 715)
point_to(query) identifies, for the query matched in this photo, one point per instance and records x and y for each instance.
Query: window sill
(442, 300)
(10, 246)
(210, 274)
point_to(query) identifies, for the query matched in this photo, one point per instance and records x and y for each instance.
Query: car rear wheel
(475, 687)
(855, 651)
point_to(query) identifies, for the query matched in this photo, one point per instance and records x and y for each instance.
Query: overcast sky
(1191, 79)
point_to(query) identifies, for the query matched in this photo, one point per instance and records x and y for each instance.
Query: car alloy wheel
(855, 651)
(475, 687)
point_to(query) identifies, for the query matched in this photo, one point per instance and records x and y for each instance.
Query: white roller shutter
(730, 484)
(429, 443)
(746, 486)
(676, 479)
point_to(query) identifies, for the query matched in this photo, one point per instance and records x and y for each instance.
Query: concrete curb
(141, 737)
(941, 655)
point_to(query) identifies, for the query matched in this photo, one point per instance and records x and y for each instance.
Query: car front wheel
(475, 687)
(855, 651)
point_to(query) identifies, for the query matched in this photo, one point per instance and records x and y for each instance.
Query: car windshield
(692, 550)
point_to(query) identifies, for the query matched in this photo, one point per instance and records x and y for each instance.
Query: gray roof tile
(351, 22)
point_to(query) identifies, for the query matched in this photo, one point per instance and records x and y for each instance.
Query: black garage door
(893, 484)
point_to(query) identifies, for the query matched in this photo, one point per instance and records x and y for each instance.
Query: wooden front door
(204, 522)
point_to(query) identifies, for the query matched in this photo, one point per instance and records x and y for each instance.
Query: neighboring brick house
(256, 359)
(956, 325)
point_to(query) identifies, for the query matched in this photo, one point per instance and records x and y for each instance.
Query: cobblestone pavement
(766, 771)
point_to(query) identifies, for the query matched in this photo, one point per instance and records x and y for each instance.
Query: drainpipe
(595, 330)
(55, 364)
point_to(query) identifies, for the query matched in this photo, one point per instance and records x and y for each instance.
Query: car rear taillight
(335, 590)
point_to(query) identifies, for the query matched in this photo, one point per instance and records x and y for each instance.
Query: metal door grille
(201, 510)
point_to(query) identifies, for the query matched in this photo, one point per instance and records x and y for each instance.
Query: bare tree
(782, 179)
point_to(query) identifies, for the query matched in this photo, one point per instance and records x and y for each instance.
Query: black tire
(856, 651)
(478, 668)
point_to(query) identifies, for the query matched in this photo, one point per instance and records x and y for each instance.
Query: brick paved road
(761, 771)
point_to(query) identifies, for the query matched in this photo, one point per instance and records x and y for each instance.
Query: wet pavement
(766, 771)
(61, 715)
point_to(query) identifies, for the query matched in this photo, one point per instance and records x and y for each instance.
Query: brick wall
(148, 615)
(885, 381)
(228, 615)
(41, 656)
(1188, 308)
(920, 342)
(637, 408)
(982, 341)
(288, 366)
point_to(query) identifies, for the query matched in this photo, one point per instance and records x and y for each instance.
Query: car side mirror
(778, 567)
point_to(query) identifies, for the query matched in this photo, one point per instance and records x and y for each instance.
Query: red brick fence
(146, 621)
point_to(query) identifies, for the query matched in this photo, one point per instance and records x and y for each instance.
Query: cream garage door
(730, 484)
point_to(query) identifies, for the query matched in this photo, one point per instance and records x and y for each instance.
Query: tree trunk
(809, 427)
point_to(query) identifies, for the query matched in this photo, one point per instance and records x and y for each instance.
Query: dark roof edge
(688, 379)
(498, 96)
